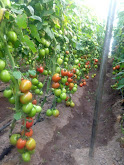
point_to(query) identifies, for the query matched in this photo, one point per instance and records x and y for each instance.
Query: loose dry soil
(65, 140)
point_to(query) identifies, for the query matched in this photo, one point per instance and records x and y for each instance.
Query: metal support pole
(108, 35)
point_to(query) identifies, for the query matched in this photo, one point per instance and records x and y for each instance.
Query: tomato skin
(27, 108)
(41, 69)
(41, 52)
(20, 143)
(46, 51)
(31, 144)
(28, 133)
(64, 72)
(71, 85)
(70, 80)
(64, 80)
(49, 112)
(38, 108)
(55, 113)
(66, 83)
(5, 76)
(67, 52)
(12, 100)
(72, 104)
(12, 36)
(14, 138)
(26, 157)
(114, 68)
(35, 81)
(117, 67)
(70, 74)
(63, 96)
(59, 61)
(26, 98)
(57, 92)
(40, 85)
(55, 85)
(2, 64)
(56, 77)
(81, 84)
(32, 112)
(84, 83)
(25, 86)
(34, 102)
(7, 93)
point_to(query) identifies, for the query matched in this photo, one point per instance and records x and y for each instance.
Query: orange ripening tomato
(26, 98)
(55, 85)
(20, 143)
(117, 67)
(84, 83)
(81, 84)
(56, 77)
(114, 68)
(64, 72)
(69, 80)
(25, 86)
(28, 133)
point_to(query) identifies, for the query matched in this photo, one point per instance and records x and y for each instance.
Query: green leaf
(21, 21)
(36, 18)
(34, 32)
(32, 72)
(29, 43)
(39, 26)
(48, 12)
(55, 20)
(17, 74)
(49, 32)
(120, 86)
(18, 115)
(17, 11)
(121, 82)
(30, 8)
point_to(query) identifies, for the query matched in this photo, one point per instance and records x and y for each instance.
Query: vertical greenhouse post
(108, 35)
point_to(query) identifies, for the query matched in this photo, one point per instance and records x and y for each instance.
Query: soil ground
(65, 140)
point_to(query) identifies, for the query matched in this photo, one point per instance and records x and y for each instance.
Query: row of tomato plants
(45, 47)
(118, 63)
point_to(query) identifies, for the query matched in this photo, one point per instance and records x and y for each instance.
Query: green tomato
(63, 90)
(13, 139)
(84, 69)
(47, 43)
(77, 72)
(43, 41)
(76, 61)
(27, 108)
(96, 66)
(12, 100)
(59, 61)
(45, 72)
(49, 72)
(7, 93)
(66, 59)
(74, 89)
(63, 96)
(26, 157)
(41, 93)
(32, 112)
(37, 91)
(57, 92)
(38, 108)
(40, 85)
(2, 64)
(58, 100)
(64, 80)
(12, 36)
(49, 112)
(65, 63)
(35, 81)
(33, 87)
(5, 76)
(75, 85)
(42, 52)
(58, 69)
(46, 51)
(72, 104)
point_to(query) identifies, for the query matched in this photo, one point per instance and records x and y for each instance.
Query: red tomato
(70, 80)
(20, 143)
(29, 123)
(70, 74)
(34, 102)
(56, 77)
(41, 69)
(55, 85)
(84, 83)
(28, 133)
(66, 83)
(81, 84)
(96, 60)
(117, 67)
(114, 68)
(64, 72)
(25, 86)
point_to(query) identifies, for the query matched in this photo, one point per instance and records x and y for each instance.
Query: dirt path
(65, 140)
